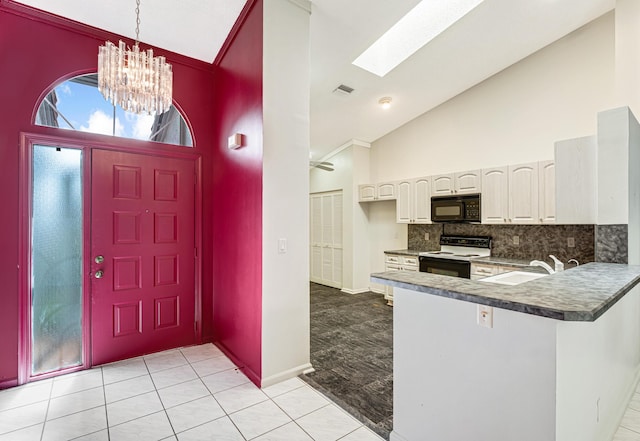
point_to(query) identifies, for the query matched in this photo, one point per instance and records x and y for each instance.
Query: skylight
(423, 23)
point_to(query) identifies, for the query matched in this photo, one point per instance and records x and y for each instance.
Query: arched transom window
(76, 104)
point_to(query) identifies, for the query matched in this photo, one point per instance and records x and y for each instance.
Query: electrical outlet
(516, 240)
(571, 242)
(485, 316)
(426, 236)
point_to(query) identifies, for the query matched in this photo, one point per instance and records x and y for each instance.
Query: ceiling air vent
(343, 90)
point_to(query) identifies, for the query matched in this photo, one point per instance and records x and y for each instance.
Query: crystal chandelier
(134, 79)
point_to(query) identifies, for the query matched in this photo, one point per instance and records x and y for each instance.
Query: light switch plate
(571, 242)
(516, 240)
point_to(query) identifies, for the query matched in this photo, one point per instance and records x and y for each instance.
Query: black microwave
(462, 208)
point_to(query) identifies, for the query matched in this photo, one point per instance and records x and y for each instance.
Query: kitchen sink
(513, 277)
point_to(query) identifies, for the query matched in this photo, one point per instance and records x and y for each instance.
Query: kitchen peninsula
(557, 361)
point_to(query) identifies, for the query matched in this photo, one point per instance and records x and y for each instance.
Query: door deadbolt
(99, 259)
(99, 274)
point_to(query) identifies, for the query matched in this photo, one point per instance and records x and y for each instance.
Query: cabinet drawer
(413, 261)
(391, 267)
(392, 259)
(483, 270)
(410, 268)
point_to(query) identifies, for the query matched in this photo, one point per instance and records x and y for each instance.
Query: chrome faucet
(559, 266)
(543, 265)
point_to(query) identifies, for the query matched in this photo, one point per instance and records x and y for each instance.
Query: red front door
(142, 261)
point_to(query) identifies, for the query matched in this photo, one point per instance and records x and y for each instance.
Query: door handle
(99, 274)
(99, 259)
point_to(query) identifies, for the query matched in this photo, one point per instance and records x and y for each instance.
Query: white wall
(634, 191)
(628, 54)
(514, 116)
(454, 380)
(597, 371)
(384, 235)
(351, 167)
(285, 277)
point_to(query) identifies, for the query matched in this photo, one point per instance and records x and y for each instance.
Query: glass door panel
(56, 267)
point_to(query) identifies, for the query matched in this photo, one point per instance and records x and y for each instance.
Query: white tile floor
(186, 394)
(629, 429)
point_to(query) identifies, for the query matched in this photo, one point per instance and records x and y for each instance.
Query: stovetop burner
(462, 248)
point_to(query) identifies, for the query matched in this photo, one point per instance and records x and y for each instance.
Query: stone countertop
(504, 261)
(405, 252)
(583, 293)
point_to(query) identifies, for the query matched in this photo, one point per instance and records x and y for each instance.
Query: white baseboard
(290, 373)
(377, 290)
(354, 291)
(393, 436)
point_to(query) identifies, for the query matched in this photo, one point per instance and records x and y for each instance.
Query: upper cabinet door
(468, 182)
(523, 193)
(495, 195)
(387, 190)
(442, 185)
(403, 203)
(366, 193)
(422, 201)
(547, 192)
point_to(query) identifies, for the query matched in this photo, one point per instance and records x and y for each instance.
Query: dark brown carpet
(352, 353)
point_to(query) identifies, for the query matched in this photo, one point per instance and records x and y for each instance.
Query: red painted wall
(36, 51)
(237, 198)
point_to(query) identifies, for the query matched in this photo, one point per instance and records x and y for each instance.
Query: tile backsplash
(612, 243)
(535, 241)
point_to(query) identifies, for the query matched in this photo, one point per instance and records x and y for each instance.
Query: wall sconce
(235, 141)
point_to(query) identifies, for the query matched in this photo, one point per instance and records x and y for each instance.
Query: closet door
(326, 238)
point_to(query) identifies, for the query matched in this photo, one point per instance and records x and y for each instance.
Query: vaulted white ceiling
(490, 38)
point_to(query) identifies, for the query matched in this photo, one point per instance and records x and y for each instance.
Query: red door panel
(143, 226)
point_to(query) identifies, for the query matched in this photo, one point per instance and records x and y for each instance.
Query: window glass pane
(77, 104)
(56, 259)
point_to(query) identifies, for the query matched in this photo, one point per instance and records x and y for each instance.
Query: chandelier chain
(137, 22)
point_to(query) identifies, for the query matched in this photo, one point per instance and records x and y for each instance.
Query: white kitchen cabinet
(398, 262)
(413, 204)
(495, 195)
(576, 181)
(442, 185)
(386, 190)
(456, 183)
(523, 193)
(519, 194)
(547, 192)
(468, 182)
(484, 269)
(376, 192)
(326, 238)
(403, 202)
(366, 192)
